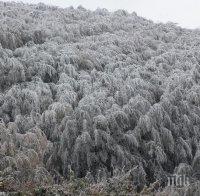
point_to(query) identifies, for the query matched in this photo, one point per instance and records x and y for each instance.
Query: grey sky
(184, 12)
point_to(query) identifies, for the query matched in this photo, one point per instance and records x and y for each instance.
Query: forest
(96, 96)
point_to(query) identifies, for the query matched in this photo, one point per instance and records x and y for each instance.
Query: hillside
(94, 95)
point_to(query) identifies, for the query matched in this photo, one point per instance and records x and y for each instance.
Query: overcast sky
(184, 12)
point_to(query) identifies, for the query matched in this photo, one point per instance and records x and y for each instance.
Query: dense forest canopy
(94, 93)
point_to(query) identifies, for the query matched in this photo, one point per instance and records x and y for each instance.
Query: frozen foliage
(89, 93)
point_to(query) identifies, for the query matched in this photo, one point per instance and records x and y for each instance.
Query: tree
(167, 140)
(85, 92)
(81, 154)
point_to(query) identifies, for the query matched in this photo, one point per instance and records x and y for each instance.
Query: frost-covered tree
(85, 93)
